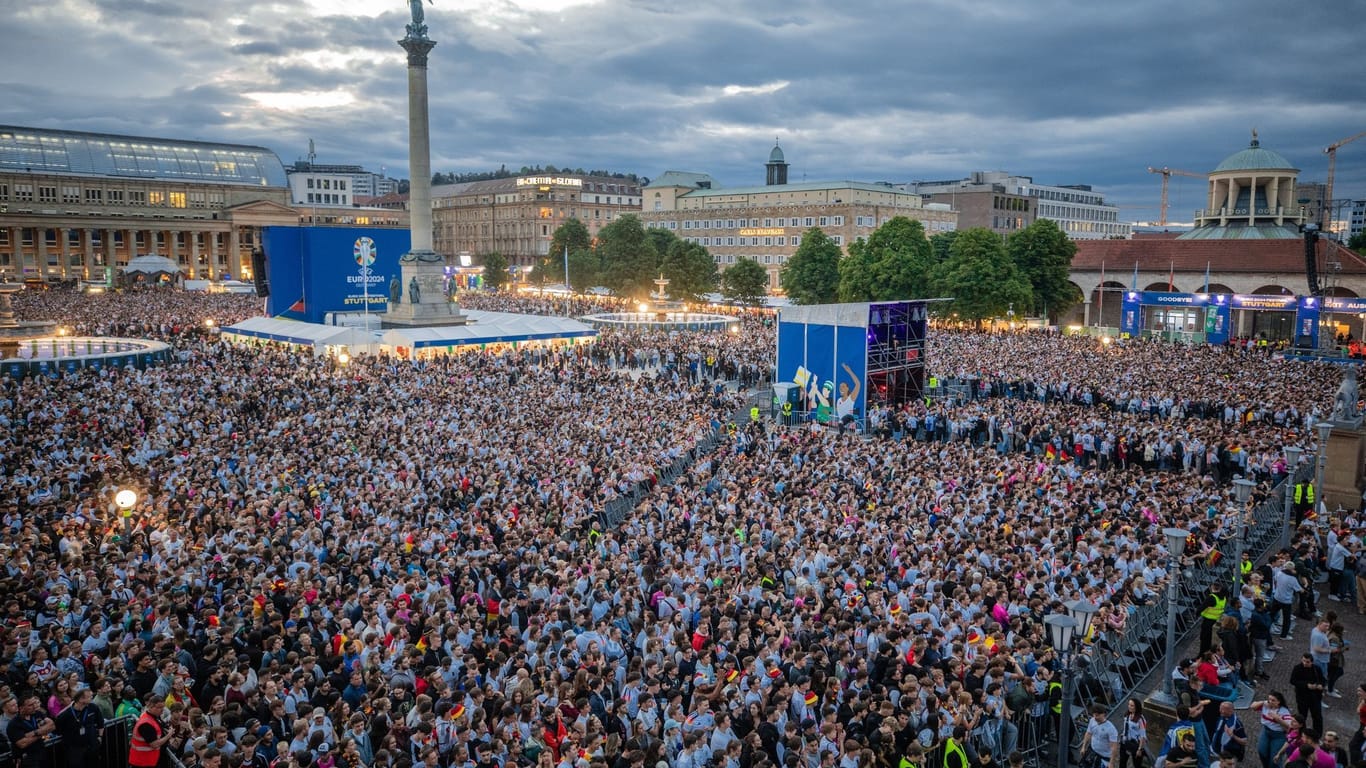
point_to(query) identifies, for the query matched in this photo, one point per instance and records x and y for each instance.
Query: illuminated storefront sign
(547, 181)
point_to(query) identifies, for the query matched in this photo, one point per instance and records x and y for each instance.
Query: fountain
(663, 314)
(29, 347)
(12, 330)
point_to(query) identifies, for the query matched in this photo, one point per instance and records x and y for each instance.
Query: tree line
(981, 274)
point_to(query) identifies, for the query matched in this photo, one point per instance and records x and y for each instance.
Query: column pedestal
(1342, 475)
(431, 308)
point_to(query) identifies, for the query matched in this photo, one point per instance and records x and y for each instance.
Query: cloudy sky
(898, 90)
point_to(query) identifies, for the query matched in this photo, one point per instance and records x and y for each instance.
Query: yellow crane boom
(1166, 177)
(1325, 213)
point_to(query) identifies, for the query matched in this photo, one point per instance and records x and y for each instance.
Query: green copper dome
(776, 156)
(1254, 158)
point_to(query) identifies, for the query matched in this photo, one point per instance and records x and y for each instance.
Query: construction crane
(1167, 174)
(1325, 216)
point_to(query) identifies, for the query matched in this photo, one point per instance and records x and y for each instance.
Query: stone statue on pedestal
(414, 292)
(1345, 401)
(395, 290)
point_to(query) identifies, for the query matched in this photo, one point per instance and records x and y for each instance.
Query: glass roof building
(45, 151)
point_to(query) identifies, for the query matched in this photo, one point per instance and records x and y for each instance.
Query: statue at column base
(422, 257)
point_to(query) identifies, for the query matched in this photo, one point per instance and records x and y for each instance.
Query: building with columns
(1246, 241)
(73, 204)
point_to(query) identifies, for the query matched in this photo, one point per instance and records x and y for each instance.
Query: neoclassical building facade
(74, 203)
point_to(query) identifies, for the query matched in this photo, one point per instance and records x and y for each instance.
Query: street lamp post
(1292, 466)
(1176, 547)
(1242, 491)
(125, 500)
(1325, 429)
(1064, 632)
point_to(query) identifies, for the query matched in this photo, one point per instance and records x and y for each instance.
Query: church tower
(776, 166)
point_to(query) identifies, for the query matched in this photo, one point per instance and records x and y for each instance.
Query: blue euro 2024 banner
(316, 270)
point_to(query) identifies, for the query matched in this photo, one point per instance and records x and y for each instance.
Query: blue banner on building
(317, 270)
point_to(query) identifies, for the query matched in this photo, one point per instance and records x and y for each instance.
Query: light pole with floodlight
(1292, 461)
(1176, 547)
(1242, 491)
(1064, 632)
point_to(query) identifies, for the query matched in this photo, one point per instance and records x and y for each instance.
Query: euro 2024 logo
(364, 252)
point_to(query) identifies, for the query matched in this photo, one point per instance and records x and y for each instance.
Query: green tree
(940, 243)
(746, 282)
(812, 274)
(1043, 253)
(540, 272)
(495, 271)
(901, 258)
(583, 270)
(856, 273)
(979, 277)
(661, 238)
(1358, 242)
(628, 257)
(571, 234)
(691, 270)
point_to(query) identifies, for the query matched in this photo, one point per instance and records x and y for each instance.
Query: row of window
(781, 221)
(328, 184)
(766, 258)
(326, 198)
(751, 242)
(72, 195)
(51, 238)
(1009, 203)
(1073, 212)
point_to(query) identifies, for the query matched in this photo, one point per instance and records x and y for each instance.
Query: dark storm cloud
(1061, 90)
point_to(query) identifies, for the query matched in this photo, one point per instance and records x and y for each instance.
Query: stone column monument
(422, 301)
(1345, 451)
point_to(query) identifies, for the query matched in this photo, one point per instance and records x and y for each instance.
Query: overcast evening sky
(871, 90)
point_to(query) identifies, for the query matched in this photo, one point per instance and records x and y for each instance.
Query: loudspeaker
(258, 272)
(1311, 261)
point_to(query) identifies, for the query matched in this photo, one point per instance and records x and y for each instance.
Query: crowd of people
(387, 564)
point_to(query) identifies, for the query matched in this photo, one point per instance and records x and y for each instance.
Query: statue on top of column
(418, 28)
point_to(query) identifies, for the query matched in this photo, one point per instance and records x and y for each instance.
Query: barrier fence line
(1115, 673)
(616, 510)
(113, 746)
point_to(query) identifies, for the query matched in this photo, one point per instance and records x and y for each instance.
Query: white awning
(489, 328)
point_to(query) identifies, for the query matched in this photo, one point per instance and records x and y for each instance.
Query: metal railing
(113, 746)
(1131, 658)
(616, 510)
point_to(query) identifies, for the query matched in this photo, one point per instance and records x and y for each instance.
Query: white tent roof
(151, 264)
(489, 328)
(296, 332)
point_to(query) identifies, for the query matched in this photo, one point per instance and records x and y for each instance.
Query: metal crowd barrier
(113, 743)
(616, 510)
(1110, 676)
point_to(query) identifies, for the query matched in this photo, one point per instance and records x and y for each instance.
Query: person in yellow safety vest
(1245, 567)
(1210, 613)
(1304, 500)
(914, 757)
(754, 413)
(954, 754)
(787, 413)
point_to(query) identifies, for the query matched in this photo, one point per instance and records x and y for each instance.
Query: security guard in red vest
(149, 735)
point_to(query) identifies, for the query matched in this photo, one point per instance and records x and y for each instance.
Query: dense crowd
(393, 564)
